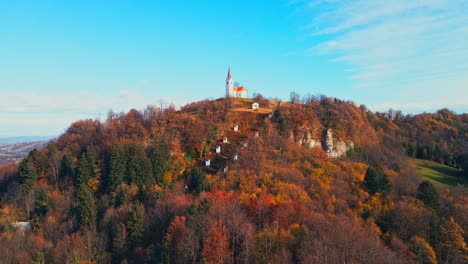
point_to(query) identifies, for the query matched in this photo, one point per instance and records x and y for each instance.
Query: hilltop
(312, 180)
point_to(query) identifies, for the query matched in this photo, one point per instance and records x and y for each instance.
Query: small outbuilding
(207, 162)
(225, 140)
(235, 157)
(22, 227)
(236, 128)
(218, 149)
(255, 106)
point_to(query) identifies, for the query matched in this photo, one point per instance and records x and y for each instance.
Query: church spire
(229, 85)
(229, 74)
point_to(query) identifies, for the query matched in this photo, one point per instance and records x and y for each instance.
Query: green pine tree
(376, 181)
(198, 182)
(66, 169)
(139, 169)
(166, 256)
(85, 206)
(83, 170)
(26, 175)
(428, 194)
(160, 157)
(119, 235)
(89, 169)
(38, 258)
(134, 225)
(121, 196)
(43, 203)
(116, 167)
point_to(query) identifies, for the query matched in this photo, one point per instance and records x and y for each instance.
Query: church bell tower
(229, 85)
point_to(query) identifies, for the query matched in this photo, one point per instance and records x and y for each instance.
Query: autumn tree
(174, 241)
(216, 249)
(69, 249)
(133, 123)
(410, 218)
(423, 251)
(452, 242)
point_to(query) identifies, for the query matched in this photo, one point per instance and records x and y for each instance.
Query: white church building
(233, 91)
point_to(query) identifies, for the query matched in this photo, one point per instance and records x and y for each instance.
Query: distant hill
(13, 149)
(20, 139)
(12, 152)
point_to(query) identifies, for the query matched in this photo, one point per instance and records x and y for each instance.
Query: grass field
(245, 105)
(438, 174)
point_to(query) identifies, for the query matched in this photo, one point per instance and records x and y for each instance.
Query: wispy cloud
(46, 114)
(397, 45)
(85, 102)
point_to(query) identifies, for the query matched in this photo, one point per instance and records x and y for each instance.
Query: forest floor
(438, 174)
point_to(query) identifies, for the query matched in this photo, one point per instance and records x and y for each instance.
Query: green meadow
(438, 174)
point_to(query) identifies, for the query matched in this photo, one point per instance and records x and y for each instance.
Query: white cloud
(29, 113)
(398, 45)
(30, 102)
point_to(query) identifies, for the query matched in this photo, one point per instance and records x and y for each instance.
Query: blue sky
(68, 60)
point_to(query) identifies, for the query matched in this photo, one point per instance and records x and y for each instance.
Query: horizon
(62, 62)
(33, 137)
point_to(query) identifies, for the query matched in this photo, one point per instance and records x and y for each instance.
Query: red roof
(239, 89)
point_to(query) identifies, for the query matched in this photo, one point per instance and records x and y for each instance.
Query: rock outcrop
(338, 149)
(334, 148)
(309, 141)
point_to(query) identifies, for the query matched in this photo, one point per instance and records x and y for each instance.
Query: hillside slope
(321, 180)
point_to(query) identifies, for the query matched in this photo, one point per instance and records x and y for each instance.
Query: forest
(166, 185)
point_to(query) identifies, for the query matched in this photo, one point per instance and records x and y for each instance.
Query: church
(234, 91)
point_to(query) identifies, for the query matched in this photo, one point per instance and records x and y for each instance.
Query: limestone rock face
(338, 149)
(311, 142)
(306, 138)
(334, 148)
